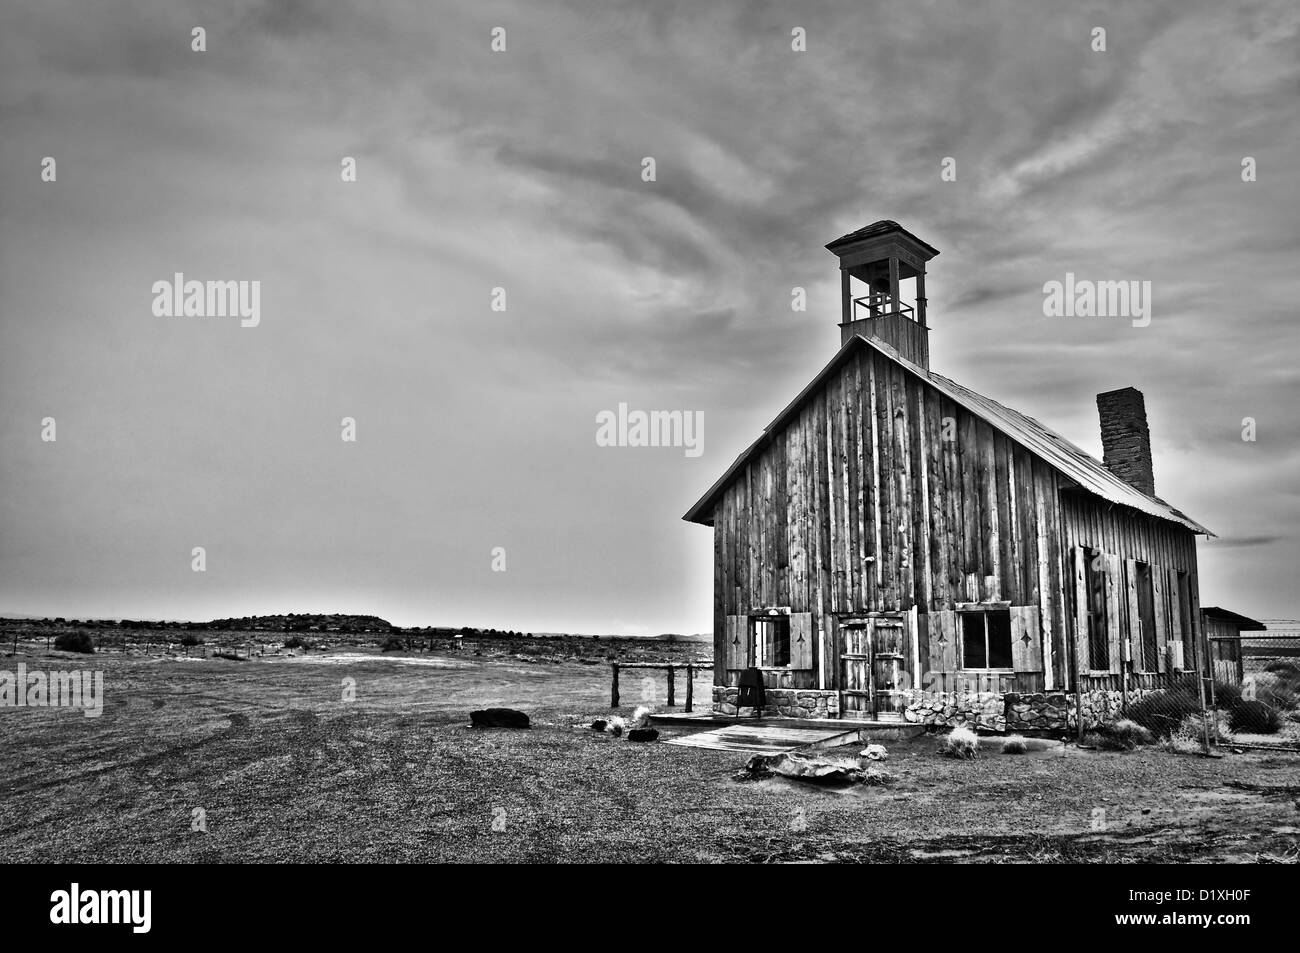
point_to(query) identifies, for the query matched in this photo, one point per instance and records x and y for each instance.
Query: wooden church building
(896, 546)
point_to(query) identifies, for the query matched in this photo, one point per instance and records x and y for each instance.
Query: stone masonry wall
(992, 711)
(790, 702)
(976, 709)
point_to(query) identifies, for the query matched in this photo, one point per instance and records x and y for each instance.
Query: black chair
(751, 692)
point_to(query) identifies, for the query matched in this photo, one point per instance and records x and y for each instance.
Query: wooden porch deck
(706, 718)
(772, 735)
(767, 738)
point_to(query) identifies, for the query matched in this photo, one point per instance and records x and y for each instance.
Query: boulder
(805, 768)
(498, 718)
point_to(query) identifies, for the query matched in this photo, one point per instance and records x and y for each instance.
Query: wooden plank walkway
(766, 739)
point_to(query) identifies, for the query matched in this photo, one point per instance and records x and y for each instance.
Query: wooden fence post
(672, 687)
(613, 689)
(690, 687)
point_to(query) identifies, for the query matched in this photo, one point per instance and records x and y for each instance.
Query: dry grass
(1014, 744)
(961, 743)
(287, 770)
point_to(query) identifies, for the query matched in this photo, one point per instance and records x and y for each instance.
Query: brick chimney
(1125, 439)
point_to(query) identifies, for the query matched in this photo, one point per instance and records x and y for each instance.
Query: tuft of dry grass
(1122, 735)
(960, 743)
(1014, 744)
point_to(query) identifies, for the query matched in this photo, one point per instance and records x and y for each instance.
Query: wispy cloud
(522, 170)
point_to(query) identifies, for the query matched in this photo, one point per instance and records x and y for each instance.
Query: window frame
(1098, 634)
(1148, 644)
(757, 644)
(984, 613)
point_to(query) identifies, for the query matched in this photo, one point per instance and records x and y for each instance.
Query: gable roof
(1084, 470)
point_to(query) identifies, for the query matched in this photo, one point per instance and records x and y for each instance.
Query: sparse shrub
(1286, 671)
(74, 642)
(1226, 696)
(1162, 714)
(1254, 717)
(296, 643)
(189, 640)
(392, 644)
(1187, 737)
(1122, 735)
(875, 777)
(1276, 692)
(961, 742)
(1218, 722)
(1014, 744)
(1181, 744)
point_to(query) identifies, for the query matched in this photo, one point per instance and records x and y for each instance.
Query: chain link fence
(1232, 691)
(1256, 688)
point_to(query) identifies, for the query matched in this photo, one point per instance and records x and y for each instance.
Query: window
(1185, 618)
(986, 639)
(1094, 588)
(1148, 660)
(772, 641)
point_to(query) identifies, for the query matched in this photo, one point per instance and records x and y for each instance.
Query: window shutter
(801, 640)
(943, 641)
(1175, 607)
(1176, 634)
(1134, 636)
(1082, 650)
(737, 642)
(1026, 642)
(1162, 615)
(1114, 590)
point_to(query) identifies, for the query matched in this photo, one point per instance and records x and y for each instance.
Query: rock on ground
(498, 718)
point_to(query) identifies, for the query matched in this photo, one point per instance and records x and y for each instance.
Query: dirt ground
(263, 760)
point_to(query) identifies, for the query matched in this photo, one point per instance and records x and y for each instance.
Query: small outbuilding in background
(1223, 631)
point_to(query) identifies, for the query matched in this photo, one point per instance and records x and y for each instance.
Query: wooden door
(855, 670)
(888, 668)
(872, 669)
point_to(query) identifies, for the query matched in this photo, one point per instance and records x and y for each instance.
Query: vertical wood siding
(881, 494)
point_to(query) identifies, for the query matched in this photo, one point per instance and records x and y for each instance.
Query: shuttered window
(773, 641)
(986, 639)
(1148, 657)
(1094, 592)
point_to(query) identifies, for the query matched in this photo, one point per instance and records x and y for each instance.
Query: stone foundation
(789, 702)
(991, 711)
(975, 709)
(1055, 711)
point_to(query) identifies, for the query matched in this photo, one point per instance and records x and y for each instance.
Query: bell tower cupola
(875, 262)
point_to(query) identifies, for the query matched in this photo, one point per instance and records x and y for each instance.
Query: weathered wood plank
(1026, 641)
(1133, 613)
(1162, 617)
(1114, 594)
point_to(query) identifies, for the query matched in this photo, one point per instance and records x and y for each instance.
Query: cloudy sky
(522, 170)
